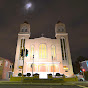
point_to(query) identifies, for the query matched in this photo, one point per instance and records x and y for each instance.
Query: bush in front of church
(36, 75)
(19, 74)
(49, 76)
(58, 74)
(28, 74)
(86, 75)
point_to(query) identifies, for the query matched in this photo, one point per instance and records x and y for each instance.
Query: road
(8, 84)
(39, 86)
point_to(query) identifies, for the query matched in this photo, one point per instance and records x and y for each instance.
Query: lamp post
(53, 65)
(83, 70)
(32, 65)
(23, 63)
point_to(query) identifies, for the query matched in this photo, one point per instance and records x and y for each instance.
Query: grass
(28, 86)
(20, 83)
(9, 84)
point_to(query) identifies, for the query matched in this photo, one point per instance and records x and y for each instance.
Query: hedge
(37, 80)
(70, 79)
(15, 78)
(20, 78)
(44, 81)
(86, 75)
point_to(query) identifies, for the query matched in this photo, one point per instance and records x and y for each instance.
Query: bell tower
(24, 29)
(59, 28)
(62, 37)
(23, 36)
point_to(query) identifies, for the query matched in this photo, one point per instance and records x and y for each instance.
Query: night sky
(42, 16)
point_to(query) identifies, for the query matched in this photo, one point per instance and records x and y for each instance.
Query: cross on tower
(42, 34)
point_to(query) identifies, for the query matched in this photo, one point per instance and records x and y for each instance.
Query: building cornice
(23, 34)
(61, 34)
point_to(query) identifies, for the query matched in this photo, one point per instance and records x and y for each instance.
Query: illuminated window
(53, 51)
(22, 47)
(42, 51)
(63, 48)
(32, 52)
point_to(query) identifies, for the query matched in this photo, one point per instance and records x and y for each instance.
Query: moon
(28, 5)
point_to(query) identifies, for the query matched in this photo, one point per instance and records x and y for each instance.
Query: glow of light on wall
(42, 51)
(32, 51)
(20, 67)
(53, 51)
(65, 67)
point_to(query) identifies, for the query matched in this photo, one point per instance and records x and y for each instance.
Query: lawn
(38, 86)
(8, 84)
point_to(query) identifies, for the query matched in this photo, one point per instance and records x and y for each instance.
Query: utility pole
(53, 65)
(83, 70)
(22, 54)
(32, 65)
(23, 63)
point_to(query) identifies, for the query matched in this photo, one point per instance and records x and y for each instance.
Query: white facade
(47, 55)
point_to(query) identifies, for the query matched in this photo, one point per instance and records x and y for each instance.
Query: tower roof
(59, 22)
(26, 22)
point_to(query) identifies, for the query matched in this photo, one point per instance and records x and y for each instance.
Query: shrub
(86, 75)
(62, 75)
(19, 74)
(16, 79)
(50, 74)
(24, 75)
(58, 74)
(70, 79)
(36, 74)
(28, 74)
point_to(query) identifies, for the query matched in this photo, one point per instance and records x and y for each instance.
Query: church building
(43, 55)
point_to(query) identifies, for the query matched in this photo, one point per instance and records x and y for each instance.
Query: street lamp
(83, 73)
(53, 65)
(32, 65)
(22, 54)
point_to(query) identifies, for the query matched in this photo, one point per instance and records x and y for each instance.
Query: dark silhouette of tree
(76, 64)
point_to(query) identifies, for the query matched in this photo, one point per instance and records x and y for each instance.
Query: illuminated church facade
(43, 55)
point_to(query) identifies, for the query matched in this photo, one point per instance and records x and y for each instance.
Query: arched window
(22, 47)
(25, 30)
(32, 52)
(42, 51)
(63, 48)
(22, 30)
(53, 51)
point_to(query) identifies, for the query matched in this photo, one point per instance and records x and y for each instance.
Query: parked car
(80, 77)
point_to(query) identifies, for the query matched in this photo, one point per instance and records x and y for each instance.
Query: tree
(76, 64)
